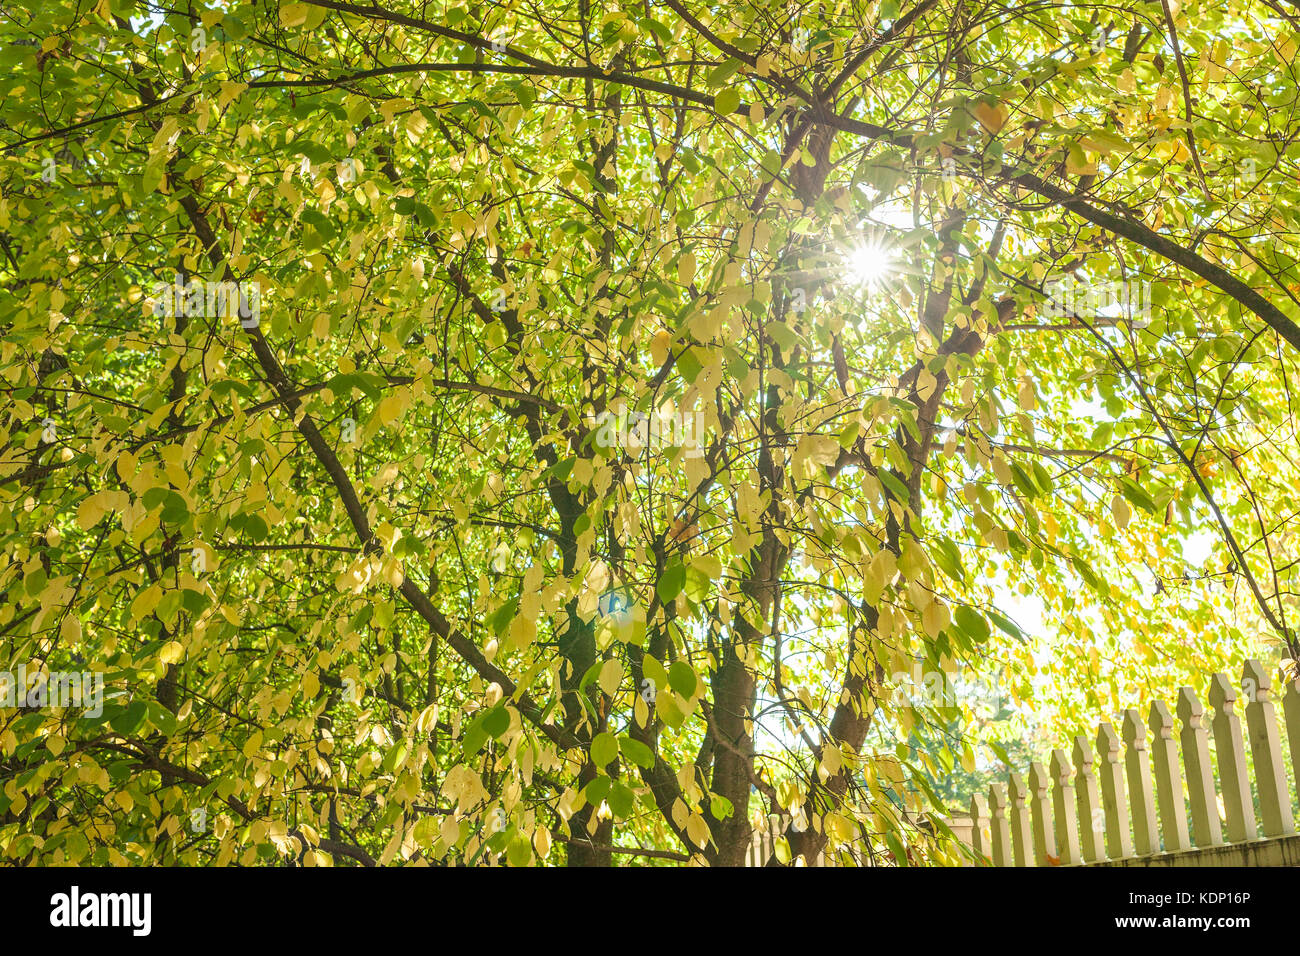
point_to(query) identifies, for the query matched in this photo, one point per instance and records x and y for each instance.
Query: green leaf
(622, 800)
(672, 581)
(520, 852)
(162, 718)
(604, 749)
(590, 674)
(682, 679)
(727, 102)
(896, 488)
(1006, 625)
(637, 752)
(697, 584)
(597, 790)
(945, 554)
(896, 846)
(497, 720)
(129, 721)
(971, 623)
(651, 668)
(1136, 494)
(660, 31)
(689, 365)
(475, 737)
(723, 72)
(500, 619)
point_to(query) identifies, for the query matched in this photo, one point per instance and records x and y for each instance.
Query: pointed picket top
(1063, 805)
(999, 826)
(1092, 838)
(1266, 751)
(1040, 806)
(1169, 781)
(1022, 840)
(1141, 795)
(1195, 738)
(1228, 747)
(1113, 801)
(979, 828)
(1291, 709)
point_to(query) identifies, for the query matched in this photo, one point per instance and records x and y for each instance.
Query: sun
(869, 263)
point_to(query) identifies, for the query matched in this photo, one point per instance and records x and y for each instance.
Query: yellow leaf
(390, 409)
(935, 618)
(659, 346)
(1002, 470)
(293, 14)
(1076, 162)
(697, 830)
(679, 813)
(1120, 511)
(172, 652)
(70, 629)
(611, 672)
(781, 849)
(992, 118)
(542, 841)
(229, 91)
(91, 510)
(145, 602)
(1026, 396)
(831, 762)
(840, 827)
(686, 269)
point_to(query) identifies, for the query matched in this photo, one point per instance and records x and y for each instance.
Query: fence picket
(1142, 801)
(1041, 811)
(1000, 826)
(1234, 782)
(1195, 737)
(1291, 708)
(1022, 841)
(1091, 832)
(1063, 803)
(1169, 781)
(1266, 750)
(979, 822)
(1118, 842)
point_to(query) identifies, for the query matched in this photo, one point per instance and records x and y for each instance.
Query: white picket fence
(1104, 808)
(1132, 808)
(762, 844)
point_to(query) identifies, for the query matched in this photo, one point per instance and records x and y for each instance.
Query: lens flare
(869, 264)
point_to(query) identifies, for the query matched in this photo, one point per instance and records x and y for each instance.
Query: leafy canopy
(643, 418)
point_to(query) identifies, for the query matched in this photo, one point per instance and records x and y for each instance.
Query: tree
(555, 432)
